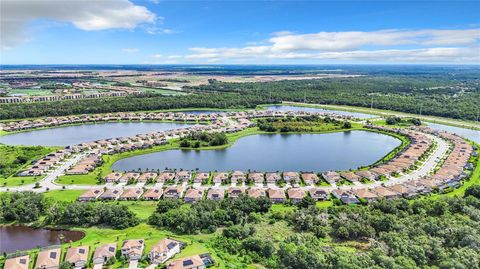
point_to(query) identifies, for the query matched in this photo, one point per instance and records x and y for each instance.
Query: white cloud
(88, 15)
(130, 50)
(157, 56)
(385, 45)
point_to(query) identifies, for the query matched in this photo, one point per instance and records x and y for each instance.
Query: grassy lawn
(31, 92)
(18, 181)
(63, 195)
(15, 158)
(90, 179)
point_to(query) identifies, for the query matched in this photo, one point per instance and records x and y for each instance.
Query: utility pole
(421, 106)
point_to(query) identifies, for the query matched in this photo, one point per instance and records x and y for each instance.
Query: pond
(471, 134)
(71, 135)
(317, 109)
(17, 237)
(272, 152)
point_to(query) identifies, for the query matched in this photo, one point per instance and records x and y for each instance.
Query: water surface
(471, 134)
(317, 109)
(272, 152)
(71, 135)
(13, 238)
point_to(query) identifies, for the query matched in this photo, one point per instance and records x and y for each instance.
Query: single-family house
(201, 261)
(183, 176)
(131, 194)
(90, 195)
(318, 194)
(77, 256)
(276, 195)
(152, 194)
(201, 177)
(216, 194)
(296, 194)
(48, 259)
(132, 249)
(173, 192)
(104, 253)
(221, 177)
(291, 177)
(111, 194)
(272, 178)
(147, 177)
(20, 262)
(112, 177)
(235, 192)
(164, 250)
(309, 178)
(256, 192)
(193, 195)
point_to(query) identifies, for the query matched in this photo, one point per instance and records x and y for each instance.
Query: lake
(17, 237)
(272, 152)
(317, 109)
(75, 134)
(471, 134)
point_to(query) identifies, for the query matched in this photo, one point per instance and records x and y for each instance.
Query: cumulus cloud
(461, 45)
(88, 15)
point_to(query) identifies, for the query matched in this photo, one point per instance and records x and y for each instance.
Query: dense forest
(441, 232)
(447, 97)
(429, 96)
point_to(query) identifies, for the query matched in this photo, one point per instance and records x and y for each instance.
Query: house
(350, 176)
(164, 250)
(48, 258)
(296, 194)
(235, 192)
(258, 178)
(147, 177)
(256, 192)
(110, 194)
(384, 192)
(220, 177)
(152, 194)
(309, 178)
(165, 176)
(345, 196)
(216, 194)
(201, 261)
(238, 176)
(201, 177)
(90, 195)
(367, 174)
(77, 256)
(291, 177)
(183, 176)
(20, 262)
(173, 192)
(331, 177)
(131, 194)
(130, 176)
(272, 178)
(365, 194)
(276, 195)
(132, 249)
(112, 177)
(318, 194)
(193, 195)
(104, 252)
(403, 190)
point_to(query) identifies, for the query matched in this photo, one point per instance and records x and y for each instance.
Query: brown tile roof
(296, 193)
(48, 258)
(107, 250)
(76, 254)
(21, 262)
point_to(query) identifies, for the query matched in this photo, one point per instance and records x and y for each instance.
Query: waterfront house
(238, 176)
(201, 261)
(193, 195)
(235, 192)
(350, 176)
(331, 177)
(130, 176)
(318, 194)
(309, 178)
(165, 176)
(173, 192)
(201, 177)
(152, 194)
(131, 194)
(276, 195)
(256, 192)
(147, 177)
(272, 178)
(291, 177)
(220, 177)
(48, 259)
(367, 174)
(20, 262)
(132, 249)
(215, 194)
(112, 177)
(164, 250)
(296, 194)
(256, 177)
(110, 194)
(104, 253)
(183, 176)
(90, 195)
(77, 256)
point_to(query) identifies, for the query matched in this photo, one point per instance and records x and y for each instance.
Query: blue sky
(237, 32)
